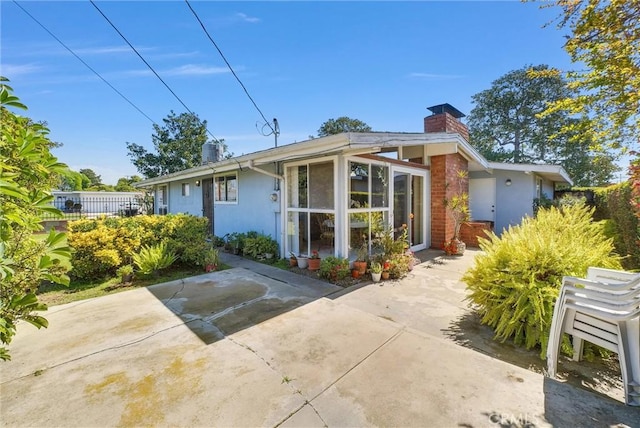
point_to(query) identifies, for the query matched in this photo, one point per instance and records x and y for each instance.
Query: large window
(368, 204)
(311, 204)
(368, 185)
(226, 188)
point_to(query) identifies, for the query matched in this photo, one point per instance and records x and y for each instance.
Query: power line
(83, 62)
(228, 65)
(147, 64)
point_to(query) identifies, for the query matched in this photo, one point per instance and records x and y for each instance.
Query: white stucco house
(329, 193)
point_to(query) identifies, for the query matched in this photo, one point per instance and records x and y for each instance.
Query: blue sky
(302, 62)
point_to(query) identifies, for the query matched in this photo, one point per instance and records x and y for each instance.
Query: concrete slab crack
(366, 357)
(285, 379)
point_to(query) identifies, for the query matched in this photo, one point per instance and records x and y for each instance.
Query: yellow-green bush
(516, 280)
(185, 235)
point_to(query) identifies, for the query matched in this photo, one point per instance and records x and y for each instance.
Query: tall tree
(178, 146)
(506, 125)
(125, 184)
(94, 179)
(342, 124)
(605, 42)
(27, 173)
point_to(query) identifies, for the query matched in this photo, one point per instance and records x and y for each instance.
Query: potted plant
(361, 259)
(386, 266)
(125, 272)
(314, 260)
(270, 248)
(376, 271)
(334, 268)
(457, 207)
(293, 260)
(303, 261)
(211, 260)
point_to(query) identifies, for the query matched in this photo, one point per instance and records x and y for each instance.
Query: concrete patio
(257, 346)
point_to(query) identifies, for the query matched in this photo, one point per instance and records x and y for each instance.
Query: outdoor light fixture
(508, 182)
(197, 183)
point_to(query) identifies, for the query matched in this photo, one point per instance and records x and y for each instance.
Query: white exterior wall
(513, 202)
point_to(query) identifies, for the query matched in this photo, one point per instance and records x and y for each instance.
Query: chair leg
(629, 356)
(578, 346)
(555, 340)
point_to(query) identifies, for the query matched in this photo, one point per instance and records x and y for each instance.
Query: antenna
(273, 130)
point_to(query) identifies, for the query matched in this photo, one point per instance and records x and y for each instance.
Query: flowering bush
(314, 255)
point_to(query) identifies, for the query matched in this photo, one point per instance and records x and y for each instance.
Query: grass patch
(80, 290)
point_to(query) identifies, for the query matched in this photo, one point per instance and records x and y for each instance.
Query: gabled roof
(346, 143)
(554, 173)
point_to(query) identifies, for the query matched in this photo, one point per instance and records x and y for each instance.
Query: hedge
(100, 246)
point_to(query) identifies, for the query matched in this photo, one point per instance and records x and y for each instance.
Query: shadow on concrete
(219, 304)
(600, 376)
(567, 406)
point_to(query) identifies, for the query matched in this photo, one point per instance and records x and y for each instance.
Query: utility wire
(83, 62)
(145, 61)
(228, 65)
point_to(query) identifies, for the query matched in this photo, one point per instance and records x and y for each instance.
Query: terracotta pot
(209, 268)
(314, 264)
(355, 273)
(293, 262)
(385, 275)
(361, 266)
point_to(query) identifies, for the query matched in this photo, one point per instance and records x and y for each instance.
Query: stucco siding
(185, 204)
(513, 202)
(254, 209)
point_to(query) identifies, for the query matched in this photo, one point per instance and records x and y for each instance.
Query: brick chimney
(446, 118)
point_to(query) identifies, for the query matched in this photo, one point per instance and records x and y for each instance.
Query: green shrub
(152, 259)
(259, 245)
(515, 282)
(334, 268)
(185, 235)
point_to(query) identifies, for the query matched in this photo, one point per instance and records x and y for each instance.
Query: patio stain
(146, 397)
(255, 313)
(215, 299)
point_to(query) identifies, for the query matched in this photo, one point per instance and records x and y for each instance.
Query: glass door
(409, 206)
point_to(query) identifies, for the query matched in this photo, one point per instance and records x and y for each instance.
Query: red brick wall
(444, 183)
(444, 122)
(470, 232)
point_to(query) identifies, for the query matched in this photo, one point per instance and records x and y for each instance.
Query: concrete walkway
(376, 356)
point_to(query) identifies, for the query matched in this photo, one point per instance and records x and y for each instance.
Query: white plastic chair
(603, 309)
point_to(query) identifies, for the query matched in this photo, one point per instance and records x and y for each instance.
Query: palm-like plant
(152, 259)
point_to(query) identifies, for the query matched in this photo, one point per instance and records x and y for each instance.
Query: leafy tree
(506, 125)
(605, 37)
(73, 180)
(178, 146)
(125, 184)
(94, 179)
(342, 124)
(27, 172)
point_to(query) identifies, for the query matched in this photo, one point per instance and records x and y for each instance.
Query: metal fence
(74, 208)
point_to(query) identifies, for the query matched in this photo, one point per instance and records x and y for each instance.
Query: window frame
(226, 177)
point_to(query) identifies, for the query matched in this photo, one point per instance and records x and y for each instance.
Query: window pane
(321, 187)
(302, 183)
(379, 186)
(219, 188)
(232, 188)
(358, 185)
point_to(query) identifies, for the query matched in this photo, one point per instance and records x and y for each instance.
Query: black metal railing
(74, 208)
